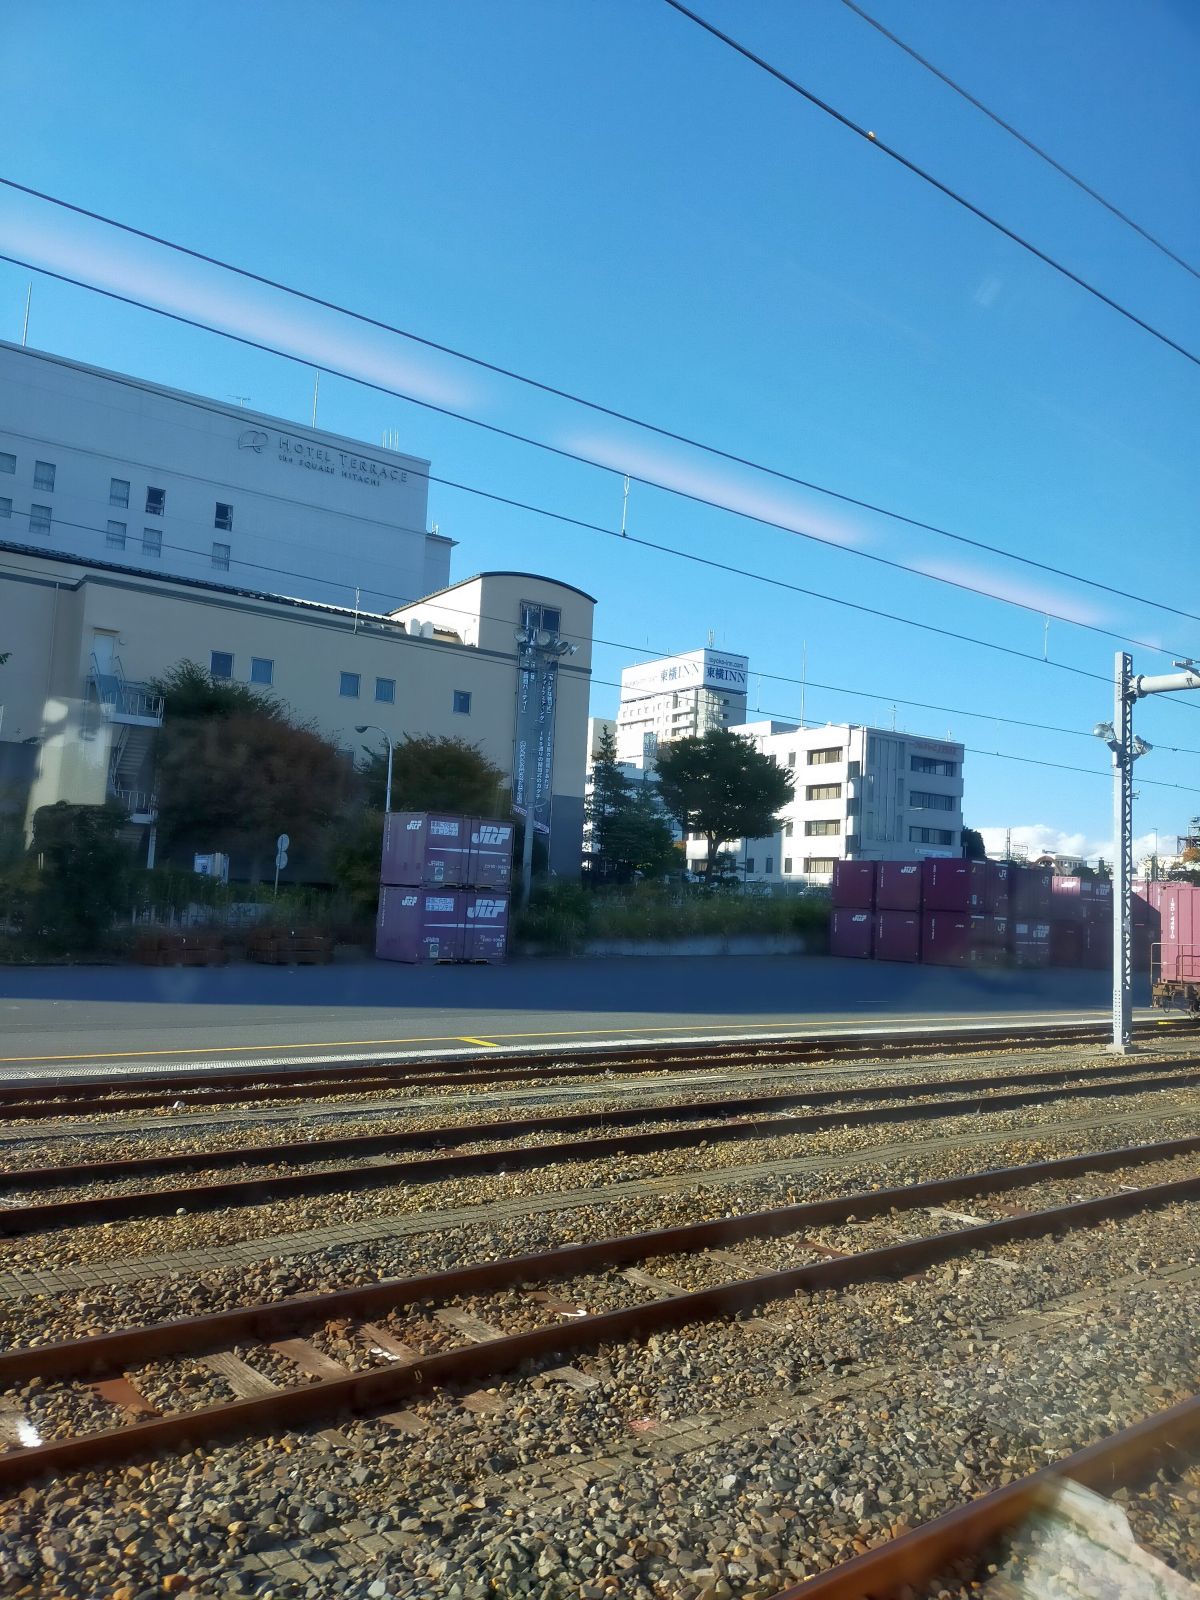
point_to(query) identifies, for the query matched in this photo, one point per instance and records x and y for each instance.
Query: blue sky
(595, 192)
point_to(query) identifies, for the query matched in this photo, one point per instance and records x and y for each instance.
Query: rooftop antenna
(803, 677)
(316, 392)
(712, 638)
(893, 719)
(242, 399)
(25, 324)
(1045, 638)
(357, 593)
(624, 505)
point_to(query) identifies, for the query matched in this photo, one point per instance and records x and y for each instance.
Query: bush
(564, 916)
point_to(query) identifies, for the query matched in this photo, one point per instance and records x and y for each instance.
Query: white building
(864, 792)
(108, 467)
(677, 697)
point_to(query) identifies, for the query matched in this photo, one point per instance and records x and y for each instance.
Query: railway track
(680, 1126)
(392, 1371)
(20, 1100)
(901, 1568)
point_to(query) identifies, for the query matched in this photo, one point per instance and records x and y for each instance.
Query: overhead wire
(544, 387)
(881, 695)
(562, 517)
(1044, 155)
(871, 138)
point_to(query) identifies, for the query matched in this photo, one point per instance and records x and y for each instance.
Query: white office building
(677, 697)
(110, 468)
(869, 793)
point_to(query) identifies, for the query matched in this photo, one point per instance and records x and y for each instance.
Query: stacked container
(443, 892)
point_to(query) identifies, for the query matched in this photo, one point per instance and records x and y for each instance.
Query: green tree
(234, 770)
(430, 773)
(972, 845)
(719, 786)
(629, 830)
(82, 874)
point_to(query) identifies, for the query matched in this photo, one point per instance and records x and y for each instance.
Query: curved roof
(536, 577)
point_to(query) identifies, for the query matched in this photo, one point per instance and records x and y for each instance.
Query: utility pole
(1126, 748)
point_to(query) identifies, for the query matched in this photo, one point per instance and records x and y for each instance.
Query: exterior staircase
(134, 713)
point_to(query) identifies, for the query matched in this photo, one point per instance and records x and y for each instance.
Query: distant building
(109, 467)
(870, 793)
(84, 636)
(677, 697)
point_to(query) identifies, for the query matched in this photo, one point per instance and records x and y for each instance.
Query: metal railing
(1184, 964)
(119, 697)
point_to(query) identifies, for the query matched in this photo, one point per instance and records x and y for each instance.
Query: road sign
(283, 841)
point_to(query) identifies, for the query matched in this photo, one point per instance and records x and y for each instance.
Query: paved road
(62, 1021)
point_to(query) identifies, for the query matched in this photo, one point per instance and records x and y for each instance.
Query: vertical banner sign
(533, 769)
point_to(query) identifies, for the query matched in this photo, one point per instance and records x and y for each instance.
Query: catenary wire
(651, 483)
(550, 389)
(928, 177)
(554, 449)
(1016, 133)
(403, 601)
(782, 716)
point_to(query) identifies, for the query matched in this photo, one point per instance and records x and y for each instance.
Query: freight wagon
(1175, 960)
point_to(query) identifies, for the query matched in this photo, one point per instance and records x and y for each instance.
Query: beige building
(85, 635)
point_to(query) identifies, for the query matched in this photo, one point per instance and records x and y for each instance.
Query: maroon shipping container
(1066, 898)
(946, 938)
(854, 884)
(1066, 944)
(989, 941)
(490, 861)
(1098, 901)
(1179, 913)
(997, 885)
(1030, 942)
(1029, 893)
(419, 924)
(898, 934)
(485, 930)
(852, 933)
(954, 885)
(898, 887)
(425, 847)
(1095, 945)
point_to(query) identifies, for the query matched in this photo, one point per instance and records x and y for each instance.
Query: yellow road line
(853, 1025)
(490, 1043)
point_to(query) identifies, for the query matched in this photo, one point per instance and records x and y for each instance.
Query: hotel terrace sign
(309, 457)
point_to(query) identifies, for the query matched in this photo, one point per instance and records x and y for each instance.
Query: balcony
(134, 713)
(123, 702)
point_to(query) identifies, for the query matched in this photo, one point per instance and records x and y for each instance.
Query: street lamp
(1126, 747)
(373, 727)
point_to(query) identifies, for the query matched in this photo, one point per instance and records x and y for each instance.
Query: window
(385, 690)
(220, 664)
(823, 791)
(152, 541)
(220, 556)
(787, 865)
(462, 702)
(5, 506)
(118, 492)
(156, 502)
(825, 758)
(818, 864)
(535, 615)
(823, 830)
(7, 463)
(930, 836)
(770, 865)
(787, 829)
(791, 760)
(350, 685)
(854, 770)
(749, 863)
(223, 517)
(39, 519)
(114, 537)
(937, 769)
(923, 801)
(43, 475)
(261, 670)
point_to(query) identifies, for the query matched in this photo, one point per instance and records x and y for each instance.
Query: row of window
(116, 537)
(923, 800)
(262, 670)
(934, 767)
(931, 836)
(811, 864)
(44, 473)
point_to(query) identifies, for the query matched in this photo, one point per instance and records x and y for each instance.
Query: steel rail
(270, 1319)
(381, 1387)
(29, 1100)
(17, 1220)
(439, 1137)
(908, 1563)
